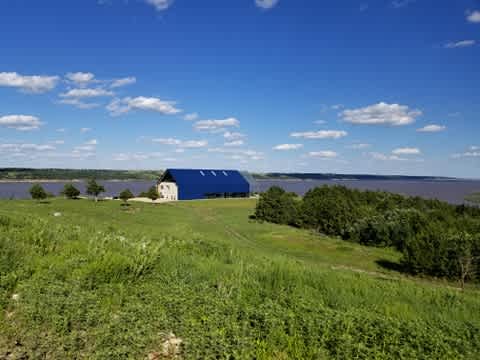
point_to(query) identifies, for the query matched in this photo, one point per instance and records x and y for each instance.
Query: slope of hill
(201, 280)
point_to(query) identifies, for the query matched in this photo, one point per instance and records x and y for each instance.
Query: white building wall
(168, 191)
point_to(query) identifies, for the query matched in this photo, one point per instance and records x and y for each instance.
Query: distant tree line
(70, 174)
(436, 238)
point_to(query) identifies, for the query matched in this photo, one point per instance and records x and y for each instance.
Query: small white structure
(168, 190)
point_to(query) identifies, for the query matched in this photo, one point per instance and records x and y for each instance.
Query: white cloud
(234, 143)
(266, 4)
(123, 82)
(216, 125)
(468, 154)
(191, 144)
(136, 156)
(187, 144)
(61, 130)
(474, 148)
(460, 44)
(191, 117)
(92, 142)
(359, 146)
(285, 147)
(167, 141)
(233, 135)
(473, 16)
(78, 103)
(85, 130)
(160, 5)
(432, 128)
(322, 134)
(31, 84)
(20, 122)
(320, 122)
(26, 147)
(84, 148)
(80, 78)
(239, 154)
(381, 114)
(326, 154)
(86, 93)
(406, 151)
(383, 157)
(125, 105)
(58, 142)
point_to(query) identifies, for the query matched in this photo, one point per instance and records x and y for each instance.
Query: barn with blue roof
(190, 184)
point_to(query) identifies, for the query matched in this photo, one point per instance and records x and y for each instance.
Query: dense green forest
(69, 174)
(435, 238)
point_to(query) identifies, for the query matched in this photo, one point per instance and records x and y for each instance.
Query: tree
(70, 191)
(125, 195)
(94, 189)
(37, 192)
(152, 193)
(277, 206)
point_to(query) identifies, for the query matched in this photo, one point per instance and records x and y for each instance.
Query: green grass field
(99, 282)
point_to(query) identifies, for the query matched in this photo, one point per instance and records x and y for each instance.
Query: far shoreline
(6, 181)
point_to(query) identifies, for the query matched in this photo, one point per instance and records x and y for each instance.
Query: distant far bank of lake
(453, 191)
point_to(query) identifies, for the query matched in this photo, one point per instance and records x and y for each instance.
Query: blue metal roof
(198, 183)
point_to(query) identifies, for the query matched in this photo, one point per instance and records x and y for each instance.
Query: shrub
(70, 191)
(125, 195)
(152, 193)
(277, 206)
(94, 189)
(37, 192)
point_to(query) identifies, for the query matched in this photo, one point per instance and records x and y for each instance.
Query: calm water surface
(451, 191)
(19, 190)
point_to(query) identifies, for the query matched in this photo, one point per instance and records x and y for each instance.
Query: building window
(201, 172)
(213, 173)
(225, 173)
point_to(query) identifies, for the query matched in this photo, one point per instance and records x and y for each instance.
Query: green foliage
(94, 189)
(37, 192)
(152, 193)
(126, 195)
(69, 174)
(70, 191)
(430, 233)
(277, 206)
(86, 290)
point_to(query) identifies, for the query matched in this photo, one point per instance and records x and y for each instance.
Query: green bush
(70, 191)
(37, 192)
(277, 206)
(431, 234)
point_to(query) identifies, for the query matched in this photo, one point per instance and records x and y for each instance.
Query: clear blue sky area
(386, 87)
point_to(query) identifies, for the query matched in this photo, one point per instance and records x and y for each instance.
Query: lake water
(19, 190)
(451, 191)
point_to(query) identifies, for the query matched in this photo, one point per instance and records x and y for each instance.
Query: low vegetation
(101, 283)
(474, 198)
(435, 238)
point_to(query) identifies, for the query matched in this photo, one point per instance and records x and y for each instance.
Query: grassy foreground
(101, 283)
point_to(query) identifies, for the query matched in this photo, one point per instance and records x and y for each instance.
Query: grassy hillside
(101, 282)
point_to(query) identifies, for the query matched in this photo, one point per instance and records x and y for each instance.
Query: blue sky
(386, 87)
